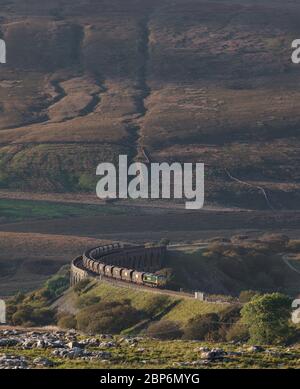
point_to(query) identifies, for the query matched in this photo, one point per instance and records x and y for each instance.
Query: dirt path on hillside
(286, 259)
(90, 198)
(177, 223)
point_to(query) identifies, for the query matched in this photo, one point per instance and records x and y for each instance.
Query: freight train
(101, 267)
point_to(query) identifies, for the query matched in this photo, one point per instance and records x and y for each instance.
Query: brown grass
(27, 259)
(208, 81)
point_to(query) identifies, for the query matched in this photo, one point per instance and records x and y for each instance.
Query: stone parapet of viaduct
(77, 273)
(139, 258)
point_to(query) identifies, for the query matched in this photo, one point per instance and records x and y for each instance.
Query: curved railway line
(97, 262)
(131, 264)
(82, 273)
(133, 267)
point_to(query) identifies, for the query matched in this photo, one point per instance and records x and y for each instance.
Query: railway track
(109, 263)
(78, 263)
(131, 264)
(143, 288)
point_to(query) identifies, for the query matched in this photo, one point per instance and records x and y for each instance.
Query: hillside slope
(158, 306)
(230, 269)
(190, 80)
(27, 260)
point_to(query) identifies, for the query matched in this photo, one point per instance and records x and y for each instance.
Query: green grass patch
(187, 309)
(168, 307)
(19, 210)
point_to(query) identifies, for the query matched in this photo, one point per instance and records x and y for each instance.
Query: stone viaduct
(77, 273)
(139, 258)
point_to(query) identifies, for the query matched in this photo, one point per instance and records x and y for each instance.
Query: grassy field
(187, 309)
(173, 354)
(27, 260)
(190, 81)
(18, 210)
(62, 167)
(166, 307)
